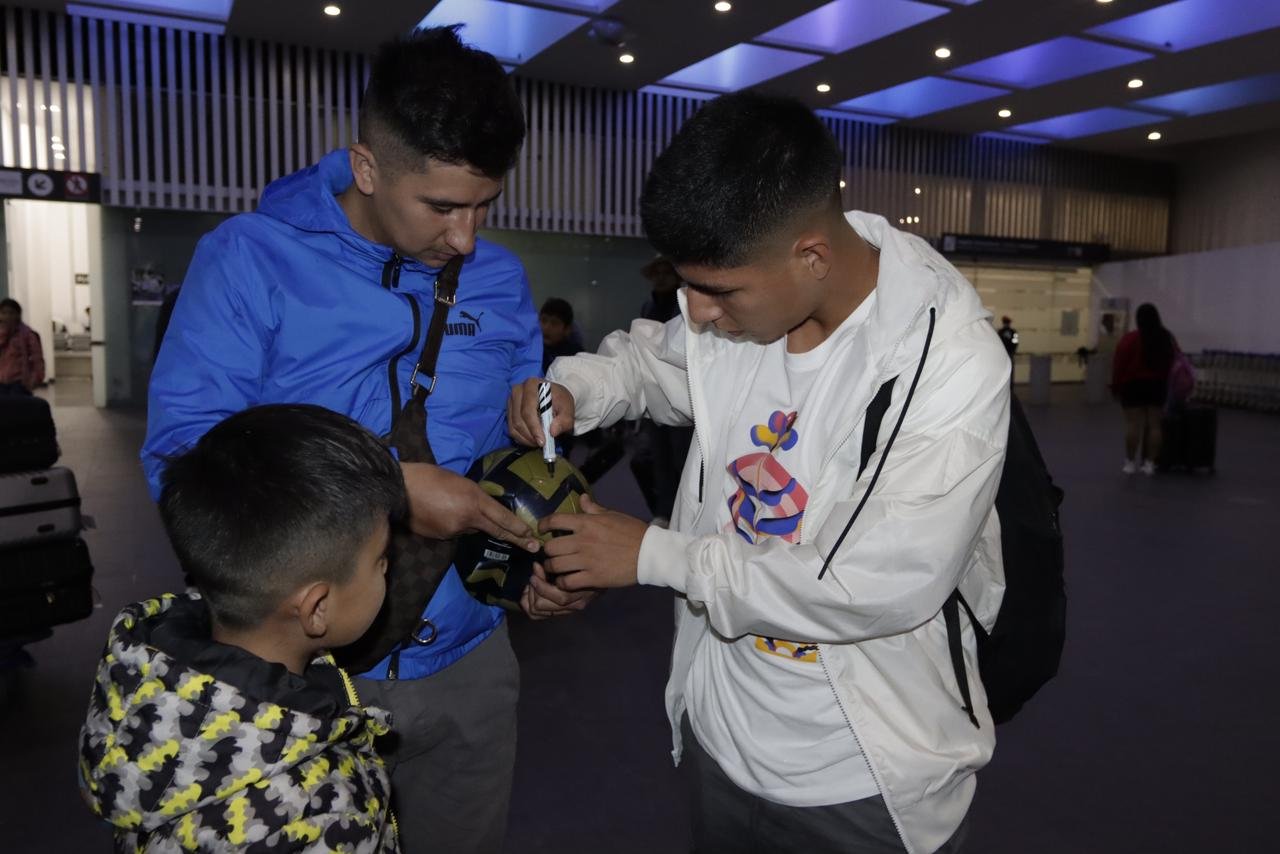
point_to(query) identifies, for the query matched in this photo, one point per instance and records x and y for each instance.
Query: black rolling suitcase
(27, 437)
(44, 585)
(1190, 439)
(38, 506)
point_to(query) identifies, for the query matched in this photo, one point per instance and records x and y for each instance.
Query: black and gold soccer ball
(496, 572)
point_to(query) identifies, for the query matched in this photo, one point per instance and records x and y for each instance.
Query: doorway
(55, 272)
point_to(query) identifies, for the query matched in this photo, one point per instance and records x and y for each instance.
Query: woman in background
(1140, 379)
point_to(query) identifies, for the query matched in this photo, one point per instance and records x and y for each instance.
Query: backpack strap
(951, 614)
(906, 404)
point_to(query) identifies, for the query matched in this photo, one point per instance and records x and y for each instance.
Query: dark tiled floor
(1156, 736)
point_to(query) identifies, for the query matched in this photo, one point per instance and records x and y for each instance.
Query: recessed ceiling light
(842, 183)
(55, 139)
(824, 87)
(942, 52)
(626, 59)
(59, 156)
(1104, 1)
(1005, 113)
(901, 221)
(333, 11)
(57, 146)
(722, 6)
(1135, 83)
(918, 191)
(1154, 135)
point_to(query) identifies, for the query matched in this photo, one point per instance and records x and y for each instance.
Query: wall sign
(51, 185)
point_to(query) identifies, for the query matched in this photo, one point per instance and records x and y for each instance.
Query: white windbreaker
(928, 527)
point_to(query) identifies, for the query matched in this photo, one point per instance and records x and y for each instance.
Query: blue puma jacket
(289, 304)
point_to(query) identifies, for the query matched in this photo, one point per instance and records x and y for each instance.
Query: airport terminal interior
(1077, 161)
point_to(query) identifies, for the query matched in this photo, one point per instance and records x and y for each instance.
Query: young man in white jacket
(811, 674)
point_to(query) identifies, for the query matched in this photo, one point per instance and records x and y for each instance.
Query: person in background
(1140, 381)
(21, 354)
(659, 450)
(559, 337)
(1008, 336)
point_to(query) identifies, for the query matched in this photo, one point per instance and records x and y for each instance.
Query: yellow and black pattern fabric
(496, 572)
(190, 745)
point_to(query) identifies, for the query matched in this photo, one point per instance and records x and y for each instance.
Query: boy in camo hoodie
(217, 721)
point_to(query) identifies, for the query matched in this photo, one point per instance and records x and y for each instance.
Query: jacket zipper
(875, 775)
(354, 699)
(390, 281)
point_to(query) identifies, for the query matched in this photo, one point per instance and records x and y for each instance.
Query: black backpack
(1024, 647)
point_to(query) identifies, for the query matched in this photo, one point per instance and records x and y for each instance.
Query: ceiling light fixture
(1005, 113)
(901, 221)
(918, 191)
(626, 59)
(1154, 135)
(333, 11)
(1104, 2)
(722, 6)
(1135, 83)
(59, 156)
(942, 52)
(824, 88)
(842, 183)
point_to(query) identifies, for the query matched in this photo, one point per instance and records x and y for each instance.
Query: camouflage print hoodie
(193, 745)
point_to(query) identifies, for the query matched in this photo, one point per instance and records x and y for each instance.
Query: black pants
(728, 820)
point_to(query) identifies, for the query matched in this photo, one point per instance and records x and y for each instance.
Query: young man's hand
(443, 505)
(542, 599)
(601, 548)
(523, 421)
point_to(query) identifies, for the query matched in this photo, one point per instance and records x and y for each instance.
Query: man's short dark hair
(11, 303)
(735, 175)
(558, 308)
(431, 96)
(273, 498)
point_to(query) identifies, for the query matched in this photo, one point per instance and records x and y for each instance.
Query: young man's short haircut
(11, 303)
(431, 96)
(735, 175)
(273, 498)
(558, 308)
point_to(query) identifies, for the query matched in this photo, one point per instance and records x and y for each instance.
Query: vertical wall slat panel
(62, 120)
(153, 188)
(188, 144)
(273, 110)
(218, 66)
(202, 124)
(316, 145)
(128, 126)
(246, 98)
(80, 80)
(31, 108)
(13, 154)
(47, 112)
(259, 122)
(170, 173)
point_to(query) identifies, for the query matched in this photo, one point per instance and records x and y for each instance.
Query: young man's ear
(813, 249)
(311, 605)
(363, 167)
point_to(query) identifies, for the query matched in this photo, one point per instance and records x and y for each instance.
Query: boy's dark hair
(272, 498)
(11, 303)
(429, 95)
(735, 175)
(558, 308)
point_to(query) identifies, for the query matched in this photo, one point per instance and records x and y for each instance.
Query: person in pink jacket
(21, 355)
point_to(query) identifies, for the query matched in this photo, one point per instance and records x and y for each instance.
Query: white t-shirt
(762, 707)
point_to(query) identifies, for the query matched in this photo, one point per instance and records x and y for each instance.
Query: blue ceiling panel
(740, 66)
(512, 33)
(590, 7)
(845, 24)
(921, 97)
(1048, 62)
(1217, 97)
(1088, 123)
(1192, 23)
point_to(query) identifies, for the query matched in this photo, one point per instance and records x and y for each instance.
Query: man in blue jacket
(322, 295)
